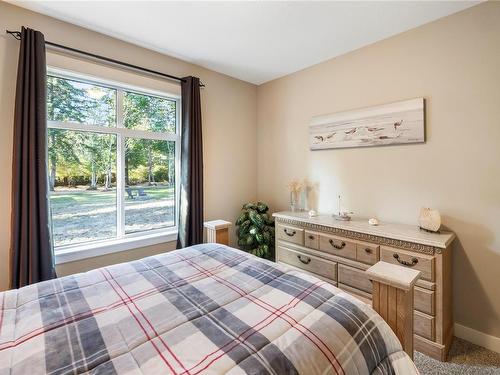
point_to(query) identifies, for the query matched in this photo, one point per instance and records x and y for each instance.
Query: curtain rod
(17, 35)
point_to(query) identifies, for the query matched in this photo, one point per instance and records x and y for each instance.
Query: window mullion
(141, 134)
(81, 127)
(120, 175)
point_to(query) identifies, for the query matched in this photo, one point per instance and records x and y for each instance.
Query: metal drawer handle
(404, 262)
(368, 250)
(338, 247)
(291, 234)
(307, 261)
(311, 237)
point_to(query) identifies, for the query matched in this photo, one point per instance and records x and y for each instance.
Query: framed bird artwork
(389, 124)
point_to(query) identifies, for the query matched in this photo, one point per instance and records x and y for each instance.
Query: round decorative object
(373, 221)
(313, 213)
(429, 219)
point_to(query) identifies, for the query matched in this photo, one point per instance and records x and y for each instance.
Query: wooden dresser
(340, 252)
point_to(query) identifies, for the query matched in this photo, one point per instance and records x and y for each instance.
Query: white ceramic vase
(429, 219)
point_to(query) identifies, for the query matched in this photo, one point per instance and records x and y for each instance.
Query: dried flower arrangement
(294, 187)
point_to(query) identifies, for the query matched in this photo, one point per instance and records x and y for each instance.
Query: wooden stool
(393, 299)
(218, 231)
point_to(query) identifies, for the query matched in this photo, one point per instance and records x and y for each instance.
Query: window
(112, 161)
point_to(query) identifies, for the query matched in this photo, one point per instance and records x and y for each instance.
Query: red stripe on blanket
(96, 311)
(150, 325)
(244, 336)
(335, 364)
(138, 322)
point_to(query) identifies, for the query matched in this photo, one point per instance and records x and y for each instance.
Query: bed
(206, 309)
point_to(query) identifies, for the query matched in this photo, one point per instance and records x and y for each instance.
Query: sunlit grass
(80, 215)
(103, 197)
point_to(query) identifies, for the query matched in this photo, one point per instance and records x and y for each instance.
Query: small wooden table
(218, 231)
(393, 299)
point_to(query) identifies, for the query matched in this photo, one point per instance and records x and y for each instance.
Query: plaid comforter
(207, 309)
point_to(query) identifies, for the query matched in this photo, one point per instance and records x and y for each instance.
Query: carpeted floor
(464, 358)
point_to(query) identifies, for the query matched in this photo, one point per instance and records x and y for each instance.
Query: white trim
(120, 167)
(87, 78)
(477, 337)
(129, 133)
(177, 162)
(95, 249)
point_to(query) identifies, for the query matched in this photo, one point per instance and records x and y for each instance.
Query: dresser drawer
(359, 294)
(421, 262)
(290, 234)
(337, 246)
(311, 239)
(308, 263)
(367, 252)
(355, 278)
(423, 325)
(424, 300)
(329, 281)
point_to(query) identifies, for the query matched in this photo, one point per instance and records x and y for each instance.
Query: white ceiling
(252, 41)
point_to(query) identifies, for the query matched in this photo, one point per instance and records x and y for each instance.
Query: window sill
(90, 250)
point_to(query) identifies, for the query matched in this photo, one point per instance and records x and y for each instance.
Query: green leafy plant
(255, 230)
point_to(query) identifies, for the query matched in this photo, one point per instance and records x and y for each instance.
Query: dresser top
(403, 232)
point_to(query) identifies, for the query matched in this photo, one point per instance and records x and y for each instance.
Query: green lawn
(79, 196)
(81, 215)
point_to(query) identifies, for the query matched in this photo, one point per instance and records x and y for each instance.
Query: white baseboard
(477, 337)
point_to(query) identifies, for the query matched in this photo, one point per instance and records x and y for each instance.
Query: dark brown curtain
(32, 258)
(191, 191)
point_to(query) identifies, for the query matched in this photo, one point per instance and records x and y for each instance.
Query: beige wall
(455, 64)
(229, 123)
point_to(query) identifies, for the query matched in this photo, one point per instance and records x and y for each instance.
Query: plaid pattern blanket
(207, 309)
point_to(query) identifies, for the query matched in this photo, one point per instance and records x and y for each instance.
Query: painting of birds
(397, 124)
(387, 124)
(319, 138)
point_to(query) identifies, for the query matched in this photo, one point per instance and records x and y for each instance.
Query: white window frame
(122, 241)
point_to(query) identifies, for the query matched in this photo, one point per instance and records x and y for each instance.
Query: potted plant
(255, 230)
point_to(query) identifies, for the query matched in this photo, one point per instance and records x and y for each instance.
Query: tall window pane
(82, 175)
(149, 184)
(77, 102)
(149, 113)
